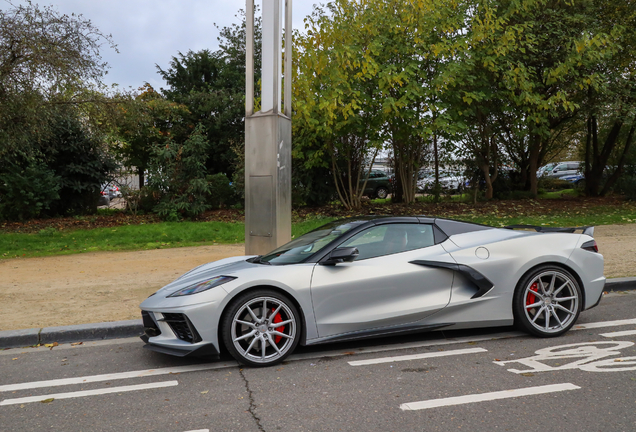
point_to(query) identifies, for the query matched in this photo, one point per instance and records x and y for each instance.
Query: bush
(177, 177)
(27, 192)
(552, 184)
(312, 187)
(221, 191)
(626, 185)
(80, 161)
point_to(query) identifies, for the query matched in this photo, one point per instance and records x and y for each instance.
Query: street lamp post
(268, 133)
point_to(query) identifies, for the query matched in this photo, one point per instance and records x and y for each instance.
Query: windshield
(308, 244)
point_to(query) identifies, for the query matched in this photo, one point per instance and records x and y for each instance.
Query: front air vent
(182, 327)
(150, 326)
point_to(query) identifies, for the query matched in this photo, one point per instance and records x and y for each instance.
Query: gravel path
(108, 286)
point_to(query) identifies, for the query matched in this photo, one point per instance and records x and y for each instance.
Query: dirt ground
(108, 286)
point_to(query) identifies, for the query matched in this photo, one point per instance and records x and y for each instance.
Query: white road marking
(224, 365)
(200, 430)
(482, 397)
(114, 376)
(88, 393)
(619, 334)
(397, 347)
(602, 324)
(416, 356)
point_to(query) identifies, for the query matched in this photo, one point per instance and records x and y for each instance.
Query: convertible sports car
(377, 276)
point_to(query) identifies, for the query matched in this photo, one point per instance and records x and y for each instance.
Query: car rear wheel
(381, 192)
(261, 328)
(547, 301)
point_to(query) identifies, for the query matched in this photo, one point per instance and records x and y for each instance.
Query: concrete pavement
(131, 328)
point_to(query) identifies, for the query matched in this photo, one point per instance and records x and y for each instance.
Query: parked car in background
(545, 168)
(563, 169)
(448, 181)
(104, 196)
(111, 189)
(378, 185)
(575, 179)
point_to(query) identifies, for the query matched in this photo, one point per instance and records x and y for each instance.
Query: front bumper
(173, 333)
(206, 350)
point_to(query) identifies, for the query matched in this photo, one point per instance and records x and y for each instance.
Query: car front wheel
(547, 301)
(261, 328)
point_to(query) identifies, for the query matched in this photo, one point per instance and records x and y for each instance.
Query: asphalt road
(482, 380)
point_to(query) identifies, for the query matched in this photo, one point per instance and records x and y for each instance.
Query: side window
(390, 239)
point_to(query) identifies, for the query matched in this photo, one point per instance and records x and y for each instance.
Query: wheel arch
(303, 332)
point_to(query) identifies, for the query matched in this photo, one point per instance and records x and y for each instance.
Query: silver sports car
(377, 276)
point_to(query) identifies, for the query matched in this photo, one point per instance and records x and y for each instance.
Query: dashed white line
(416, 356)
(619, 334)
(602, 324)
(88, 393)
(482, 397)
(113, 376)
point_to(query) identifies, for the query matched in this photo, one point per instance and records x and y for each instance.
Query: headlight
(202, 286)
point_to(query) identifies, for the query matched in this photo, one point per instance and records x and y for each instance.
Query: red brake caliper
(278, 319)
(531, 299)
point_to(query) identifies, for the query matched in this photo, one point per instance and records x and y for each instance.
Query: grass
(51, 241)
(559, 194)
(549, 211)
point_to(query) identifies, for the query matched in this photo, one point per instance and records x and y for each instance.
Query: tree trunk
(621, 162)
(535, 147)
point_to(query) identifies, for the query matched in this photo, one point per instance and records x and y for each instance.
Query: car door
(371, 183)
(381, 288)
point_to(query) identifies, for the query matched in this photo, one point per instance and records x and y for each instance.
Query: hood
(224, 267)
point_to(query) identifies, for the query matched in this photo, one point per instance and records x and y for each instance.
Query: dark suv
(378, 185)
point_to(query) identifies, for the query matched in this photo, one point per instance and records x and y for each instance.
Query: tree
(144, 122)
(548, 72)
(45, 57)
(212, 86)
(336, 122)
(609, 112)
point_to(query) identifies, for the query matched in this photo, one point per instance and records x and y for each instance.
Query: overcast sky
(149, 32)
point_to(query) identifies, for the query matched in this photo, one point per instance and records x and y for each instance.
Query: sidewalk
(132, 328)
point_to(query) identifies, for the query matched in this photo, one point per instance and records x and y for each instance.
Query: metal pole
(288, 58)
(249, 58)
(268, 135)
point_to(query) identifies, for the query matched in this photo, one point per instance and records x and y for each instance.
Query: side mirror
(340, 255)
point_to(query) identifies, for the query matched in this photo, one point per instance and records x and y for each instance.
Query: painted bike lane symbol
(589, 356)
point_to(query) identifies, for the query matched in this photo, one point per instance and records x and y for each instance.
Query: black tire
(381, 192)
(250, 332)
(547, 301)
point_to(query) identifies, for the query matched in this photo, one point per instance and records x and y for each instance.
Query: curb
(620, 284)
(73, 333)
(133, 328)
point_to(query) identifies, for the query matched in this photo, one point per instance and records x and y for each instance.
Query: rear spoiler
(589, 230)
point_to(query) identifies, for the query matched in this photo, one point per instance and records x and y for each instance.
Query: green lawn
(545, 212)
(131, 237)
